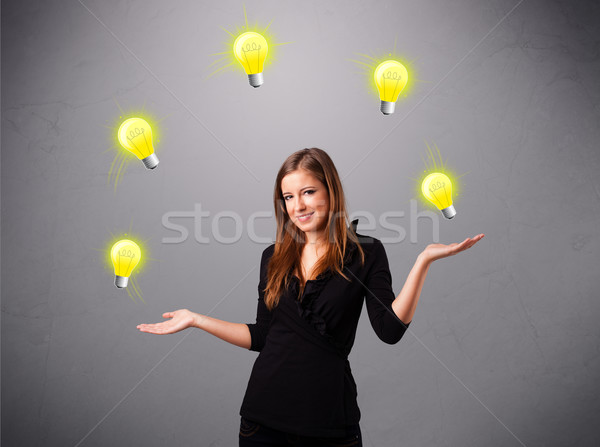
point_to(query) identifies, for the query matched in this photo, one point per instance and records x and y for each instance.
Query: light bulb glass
(390, 78)
(135, 135)
(125, 255)
(437, 188)
(250, 49)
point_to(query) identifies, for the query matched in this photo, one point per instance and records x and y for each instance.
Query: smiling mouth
(305, 215)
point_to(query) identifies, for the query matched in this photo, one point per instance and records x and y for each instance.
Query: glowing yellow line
(367, 56)
(111, 168)
(115, 100)
(130, 295)
(361, 63)
(119, 173)
(440, 155)
(161, 119)
(134, 287)
(219, 69)
(245, 16)
(431, 157)
(227, 31)
(423, 160)
(137, 287)
(219, 60)
(116, 174)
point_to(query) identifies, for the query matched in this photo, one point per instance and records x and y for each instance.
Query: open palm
(179, 320)
(437, 251)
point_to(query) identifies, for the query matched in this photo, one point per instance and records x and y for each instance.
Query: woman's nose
(300, 204)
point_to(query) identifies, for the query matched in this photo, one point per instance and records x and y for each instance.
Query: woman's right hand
(179, 320)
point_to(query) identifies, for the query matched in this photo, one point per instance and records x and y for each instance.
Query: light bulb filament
(392, 75)
(436, 186)
(134, 133)
(127, 253)
(252, 47)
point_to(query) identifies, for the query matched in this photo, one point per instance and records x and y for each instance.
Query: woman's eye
(310, 191)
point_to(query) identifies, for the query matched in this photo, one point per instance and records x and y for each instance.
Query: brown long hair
(290, 240)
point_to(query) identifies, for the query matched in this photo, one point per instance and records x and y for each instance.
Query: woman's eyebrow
(306, 187)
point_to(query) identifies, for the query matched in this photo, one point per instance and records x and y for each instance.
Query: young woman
(313, 282)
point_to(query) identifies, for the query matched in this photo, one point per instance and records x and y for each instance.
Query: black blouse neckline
(312, 290)
(350, 248)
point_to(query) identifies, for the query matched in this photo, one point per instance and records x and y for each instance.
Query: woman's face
(303, 195)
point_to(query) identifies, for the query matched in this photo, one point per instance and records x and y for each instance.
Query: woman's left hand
(437, 251)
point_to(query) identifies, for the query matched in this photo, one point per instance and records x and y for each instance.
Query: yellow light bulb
(437, 188)
(125, 255)
(251, 49)
(135, 135)
(390, 77)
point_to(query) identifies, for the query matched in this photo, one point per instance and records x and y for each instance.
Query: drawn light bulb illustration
(125, 255)
(437, 188)
(135, 135)
(250, 49)
(390, 77)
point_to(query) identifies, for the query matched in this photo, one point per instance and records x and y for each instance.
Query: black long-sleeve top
(301, 381)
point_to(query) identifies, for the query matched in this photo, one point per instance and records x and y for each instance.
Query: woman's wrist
(424, 259)
(198, 320)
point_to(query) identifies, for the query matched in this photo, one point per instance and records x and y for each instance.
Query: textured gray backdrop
(504, 346)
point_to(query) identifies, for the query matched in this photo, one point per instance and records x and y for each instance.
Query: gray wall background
(504, 345)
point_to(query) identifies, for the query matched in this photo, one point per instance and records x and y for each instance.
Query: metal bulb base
(151, 161)
(449, 212)
(387, 107)
(256, 80)
(121, 281)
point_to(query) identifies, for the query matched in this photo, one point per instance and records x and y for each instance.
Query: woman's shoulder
(368, 243)
(371, 247)
(268, 252)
